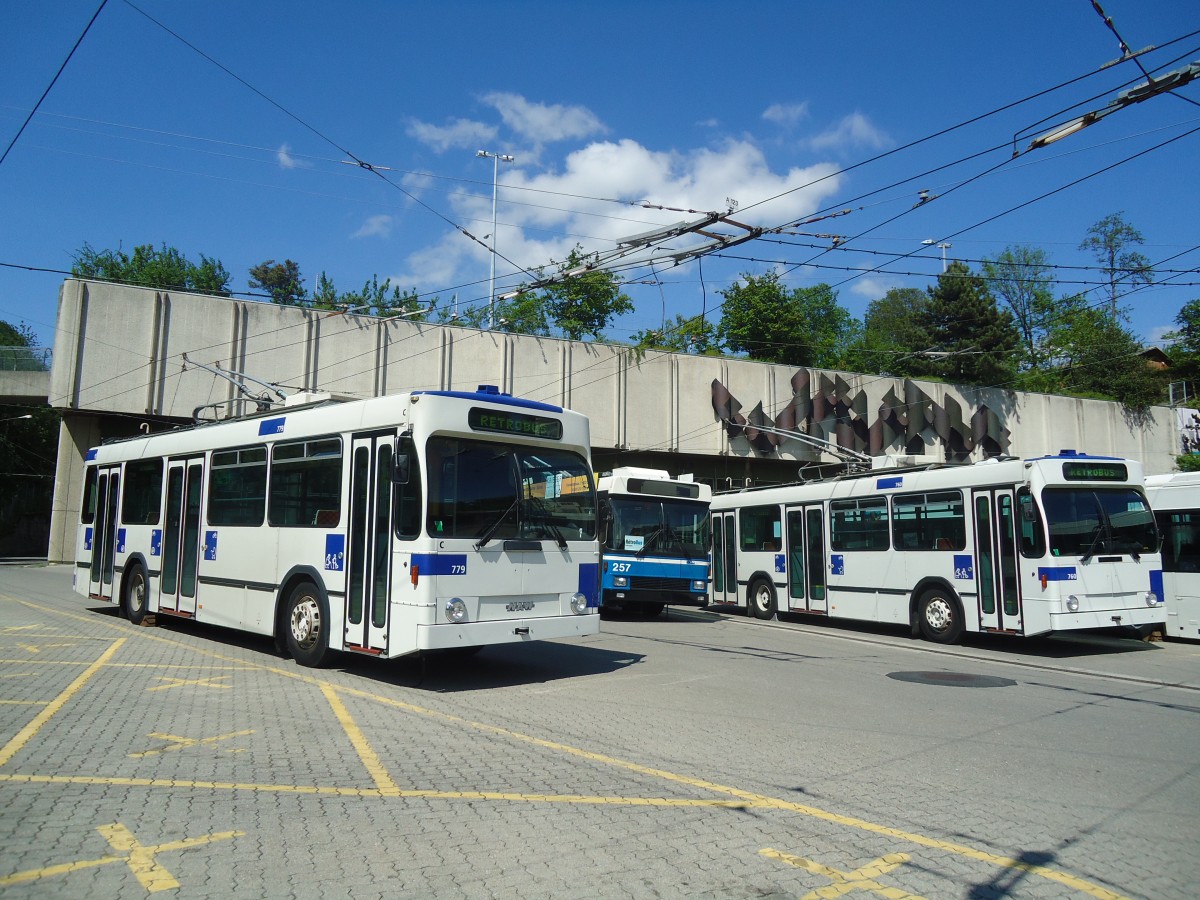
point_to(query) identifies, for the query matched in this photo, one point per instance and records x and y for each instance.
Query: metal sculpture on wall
(833, 411)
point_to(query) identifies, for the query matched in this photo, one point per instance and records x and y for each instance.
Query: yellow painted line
(861, 879)
(170, 682)
(175, 742)
(375, 767)
(143, 861)
(23, 702)
(747, 798)
(412, 793)
(23, 736)
(62, 869)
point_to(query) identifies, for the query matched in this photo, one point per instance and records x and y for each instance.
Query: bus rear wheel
(133, 598)
(940, 616)
(761, 599)
(307, 625)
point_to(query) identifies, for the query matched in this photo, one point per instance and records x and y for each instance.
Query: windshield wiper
(544, 519)
(1102, 530)
(491, 529)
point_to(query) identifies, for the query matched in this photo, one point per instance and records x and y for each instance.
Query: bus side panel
(1183, 605)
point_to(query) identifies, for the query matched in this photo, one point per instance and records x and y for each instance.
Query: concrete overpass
(119, 367)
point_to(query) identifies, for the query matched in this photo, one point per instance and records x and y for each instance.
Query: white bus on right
(1176, 503)
(1012, 546)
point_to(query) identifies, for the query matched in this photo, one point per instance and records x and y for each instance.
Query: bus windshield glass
(1086, 521)
(663, 527)
(481, 489)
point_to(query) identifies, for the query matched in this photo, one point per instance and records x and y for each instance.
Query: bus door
(724, 558)
(105, 533)
(996, 561)
(807, 589)
(181, 537)
(369, 556)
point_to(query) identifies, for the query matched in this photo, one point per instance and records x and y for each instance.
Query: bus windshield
(1086, 521)
(664, 527)
(481, 489)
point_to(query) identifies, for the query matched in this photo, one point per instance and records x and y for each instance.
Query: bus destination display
(1095, 471)
(524, 424)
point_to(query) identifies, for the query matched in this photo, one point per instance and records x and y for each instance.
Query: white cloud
(871, 288)
(457, 133)
(375, 226)
(853, 131)
(286, 161)
(786, 114)
(544, 123)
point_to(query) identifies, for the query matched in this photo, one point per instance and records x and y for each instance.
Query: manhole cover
(952, 679)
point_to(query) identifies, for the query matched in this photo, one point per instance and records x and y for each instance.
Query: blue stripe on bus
(1058, 573)
(271, 426)
(440, 563)
(589, 582)
(893, 481)
(487, 397)
(91, 454)
(1156, 584)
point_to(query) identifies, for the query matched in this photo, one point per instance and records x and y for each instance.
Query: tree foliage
(800, 327)
(683, 334)
(1111, 241)
(282, 281)
(893, 338)
(165, 268)
(971, 340)
(1020, 279)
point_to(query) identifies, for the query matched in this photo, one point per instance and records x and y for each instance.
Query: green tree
(1097, 357)
(165, 267)
(282, 281)
(801, 327)
(1020, 278)
(695, 334)
(1111, 241)
(971, 339)
(17, 349)
(893, 338)
(582, 301)
(1184, 349)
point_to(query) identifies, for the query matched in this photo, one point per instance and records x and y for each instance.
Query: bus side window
(87, 511)
(1033, 538)
(408, 494)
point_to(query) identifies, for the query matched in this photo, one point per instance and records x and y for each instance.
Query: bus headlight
(1072, 603)
(456, 611)
(1151, 598)
(578, 604)
(620, 581)
(699, 585)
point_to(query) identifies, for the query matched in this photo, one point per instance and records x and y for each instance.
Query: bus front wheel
(307, 625)
(762, 599)
(940, 616)
(133, 598)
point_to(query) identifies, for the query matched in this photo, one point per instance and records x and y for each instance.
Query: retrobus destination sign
(505, 422)
(1095, 471)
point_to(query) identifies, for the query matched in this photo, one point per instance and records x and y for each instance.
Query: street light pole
(496, 159)
(929, 242)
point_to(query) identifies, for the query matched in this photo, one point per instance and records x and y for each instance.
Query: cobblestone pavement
(694, 755)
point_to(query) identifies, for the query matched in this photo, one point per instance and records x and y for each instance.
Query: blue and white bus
(417, 521)
(1013, 546)
(654, 540)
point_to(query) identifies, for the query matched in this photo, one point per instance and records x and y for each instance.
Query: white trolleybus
(1015, 546)
(417, 521)
(653, 541)
(1175, 500)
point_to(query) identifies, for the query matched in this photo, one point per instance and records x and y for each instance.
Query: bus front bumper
(509, 631)
(1109, 618)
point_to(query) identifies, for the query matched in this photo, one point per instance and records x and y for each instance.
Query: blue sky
(608, 109)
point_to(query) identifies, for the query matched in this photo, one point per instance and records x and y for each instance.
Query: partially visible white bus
(417, 521)
(1013, 546)
(1176, 503)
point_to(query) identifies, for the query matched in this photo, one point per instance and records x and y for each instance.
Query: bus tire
(306, 625)
(650, 610)
(940, 616)
(133, 596)
(760, 599)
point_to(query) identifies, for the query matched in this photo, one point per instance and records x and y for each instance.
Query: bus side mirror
(401, 468)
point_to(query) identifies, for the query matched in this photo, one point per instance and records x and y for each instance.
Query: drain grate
(952, 679)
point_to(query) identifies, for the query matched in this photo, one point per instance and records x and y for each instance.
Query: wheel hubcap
(938, 614)
(306, 622)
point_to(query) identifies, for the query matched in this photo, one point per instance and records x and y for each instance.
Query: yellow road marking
(746, 799)
(22, 737)
(195, 682)
(180, 743)
(376, 769)
(861, 879)
(142, 860)
(23, 702)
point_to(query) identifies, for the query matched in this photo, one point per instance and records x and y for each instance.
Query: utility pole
(496, 160)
